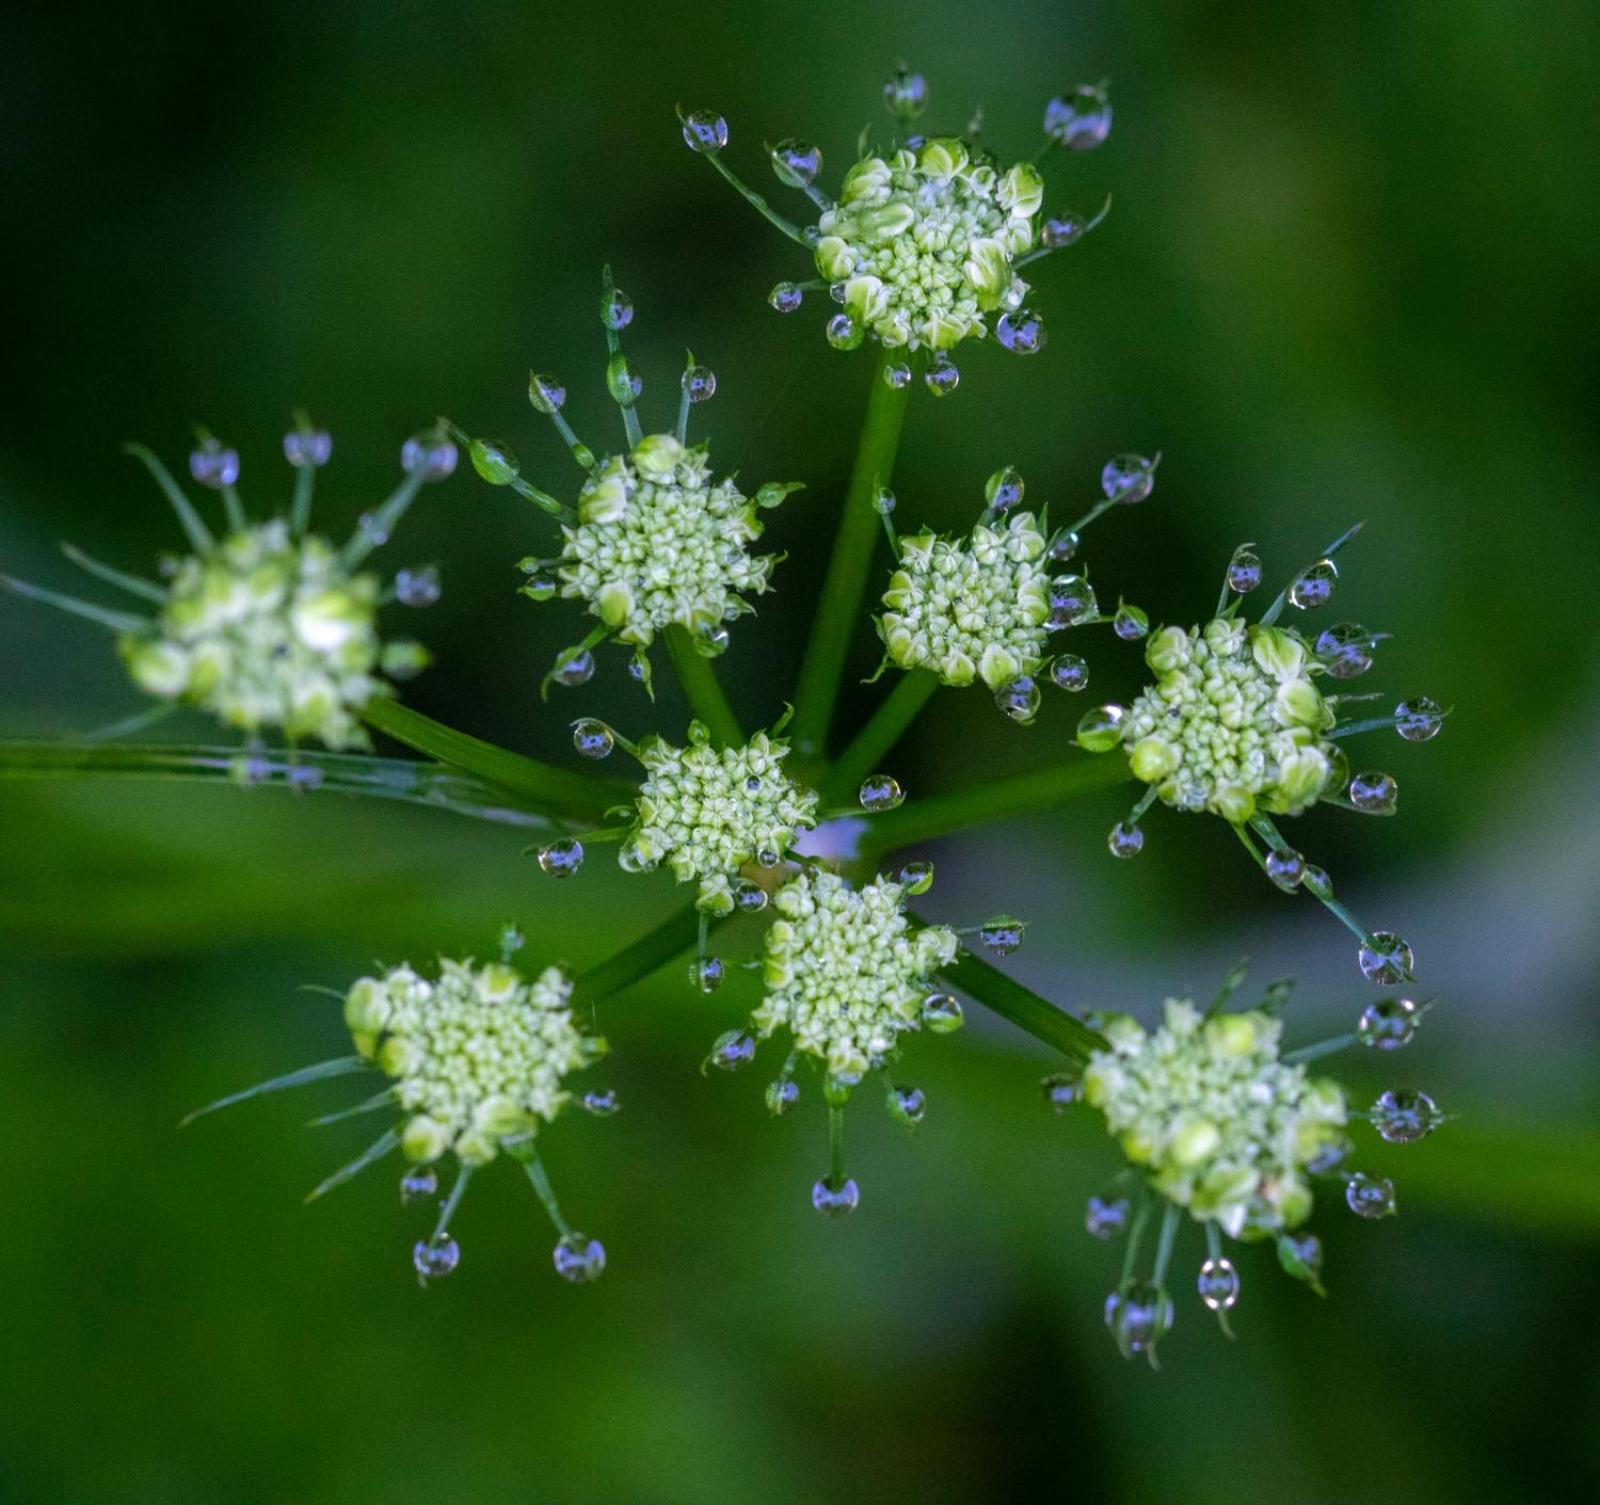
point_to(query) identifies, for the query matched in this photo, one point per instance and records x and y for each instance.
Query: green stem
(702, 687)
(452, 1202)
(878, 737)
(1022, 1006)
(840, 599)
(676, 935)
(546, 1193)
(939, 815)
(383, 522)
(836, 1145)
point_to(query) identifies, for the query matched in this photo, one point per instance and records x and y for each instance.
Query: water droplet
(1019, 699)
(1125, 840)
(712, 640)
(1002, 934)
(1106, 1217)
(1138, 1317)
(1064, 545)
(1374, 793)
(1021, 331)
(1003, 490)
(883, 501)
(1315, 587)
(1130, 624)
(905, 96)
(897, 374)
(880, 792)
(909, 1105)
(1330, 1155)
(1069, 672)
(782, 1095)
(511, 940)
(750, 898)
(941, 1014)
(844, 333)
(214, 464)
(561, 859)
(303, 776)
(632, 859)
(435, 1257)
(917, 877)
(836, 291)
(1128, 478)
(1418, 720)
(835, 1201)
(577, 670)
(1244, 570)
(1385, 959)
(704, 131)
(1403, 1116)
(1062, 230)
(545, 393)
(699, 383)
(1218, 1284)
(1100, 730)
(1316, 882)
(430, 455)
(593, 739)
(1061, 1090)
(540, 587)
(1389, 1023)
(796, 163)
(1080, 120)
(768, 857)
(494, 461)
(732, 1051)
(941, 378)
(1369, 1196)
(1286, 868)
(308, 447)
(602, 1104)
(1300, 1254)
(578, 1258)
(1345, 649)
(786, 297)
(417, 587)
(418, 1182)
(621, 381)
(1072, 600)
(616, 309)
(706, 973)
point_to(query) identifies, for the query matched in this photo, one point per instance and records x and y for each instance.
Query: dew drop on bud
(1062, 230)
(1106, 1217)
(782, 1095)
(796, 163)
(1244, 570)
(1345, 649)
(712, 640)
(1019, 699)
(493, 461)
(1002, 934)
(1100, 730)
(1130, 624)
(883, 501)
(1061, 1090)
(916, 877)
(768, 857)
(1069, 672)
(1128, 478)
(602, 1104)
(1369, 1196)
(786, 297)
(1374, 793)
(541, 587)
(941, 378)
(897, 374)
(905, 96)
(1125, 840)
(1064, 545)
(706, 973)
(941, 1013)
(1020, 331)
(417, 587)
(577, 670)
(578, 1258)
(844, 333)
(699, 383)
(1300, 1254)
(307, 448)
(561, 859)
(1315, 587)
(1080, 120)
(429, 455)
(545, 393)
(1403, 1116)
(593, 739)
(214, 464)
(880, 792)
(1218, 1284)
(1418, 720)
(622, 382)
(732, 1051)
(1316, 882)
(1385, 959)
(1286, 869)
(417, 1183)
(835, 1201)
(704, 131)
(748, 897)
(435, 1257)
(909, 1105)
(1072, 600)
(1388, 1024)
(1330, 1155)
(1003, 490)
(1138, 1317)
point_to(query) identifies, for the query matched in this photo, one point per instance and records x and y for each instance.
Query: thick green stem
(1022, 1006)
(675, 936)
(878, 737)
(840, 599)
(707, 698)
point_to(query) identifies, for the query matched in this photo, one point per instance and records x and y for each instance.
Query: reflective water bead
(941, 1013)
(712, 640)
(1403, 1116)
(1064, 545)
(905, 96)
(1345, 650)
(704, 131)
(835, 1201)
(1003, 490)
(1374, 793)
(308, 448)
(786, 297)
(578, 1258)
(1369, 1196)
(909, 1105)
(417, 587)
(1330, 1155)
(1019, 699)
(541, 587)
(545, 393)
(1388, 1024)
(706, 973)
(1316, 882)
(418, 1182)
(942, 378)
(1130, 624)
(1385, 959)
(631, 858)
(732, 1050)
(1106, 1217)
(796, 163)
(880, 792)
(750, 898)
(1061, 1090)
(699, 383)
(897, 374)
(1080, 120)
(622, 382)
(836, 291)
(1021, 331)
(303, 776)
(883, 501)
(1002, 934)
(768, 857)
(602, 1104)
(1138, 1317)
(917, 877)
(214, 464)
(1125, 840)
(1100, 730)
(1300, 1254)
(1418, 720)
(593, 739)
(1072, 600)
(844, 333)
(493, 461)
(1128, 478)
(435, 1257)
(1062, 230)
(1218, 1284)
(430, 455)
(561, 859)
(1315, 587)
(1244, 571)
(782, 1095)
(577, 670)
(1286, 869)
(1069, 672)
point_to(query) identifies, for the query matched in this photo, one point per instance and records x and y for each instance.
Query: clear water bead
(1138, 1316)
(1072, 600)
(1315, 587)
(1403, 1116)
(909, 1105)
(1385, 959)
(1080, 120)
(1316, 882)
(494, 461)
(1061, 1090)
(1100, 730)
(1388, 1023)
(545, 393)
(1130, 624)
(1106, 1217)
(593, 739)
(1345, 650)
(1418, 720)
(1374, 793)
(835, 1201)
(1218, 1284)
(308, 448)
(1019, 699)
(1125, 840)
(1286, 869)
(1244, 570)
(430, 455)
(622, 382)
(796, 163)
(603, 1104)
(1021, 332)
(917, 877)
(883, 501)
(578, 1258)
(1003, 490)
(1300, 1254)
(706, 973)
(704, 131)
(786, 297)
(748, 897)
(880, 792)
(732, 1051)
(905, 96)
(782, 1095)
(577, 670)
(541, 587)
(417, 587)
(1069, 672)
(941, 1013)
(1128, 478)
(214, 464)
(897, 374)
(1062, 230)
(844, 333)
(699, 383)
(418, 1182)
(561, 859)
(1002, 934)
(435, 1257)
(942, 378)
(1369, 1196)
(1064, 545)
(303, 776)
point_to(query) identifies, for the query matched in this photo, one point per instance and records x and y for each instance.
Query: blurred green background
(1349, 274)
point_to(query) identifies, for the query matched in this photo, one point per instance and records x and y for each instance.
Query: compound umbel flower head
(477, 1059)
(655, 542)
(1238, 724)
(1218, 1123)
(268, 627)
(923, 247)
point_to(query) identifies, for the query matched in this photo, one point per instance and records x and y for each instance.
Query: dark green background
(1349, 274)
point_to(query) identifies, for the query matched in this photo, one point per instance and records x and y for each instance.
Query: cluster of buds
(267, 628)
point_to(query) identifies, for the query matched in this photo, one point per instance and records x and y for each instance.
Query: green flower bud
(494, 462)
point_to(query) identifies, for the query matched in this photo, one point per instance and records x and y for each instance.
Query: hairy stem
(879, 736)
(707, 698)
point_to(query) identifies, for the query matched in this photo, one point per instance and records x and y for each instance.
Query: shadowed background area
(1348, 274)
